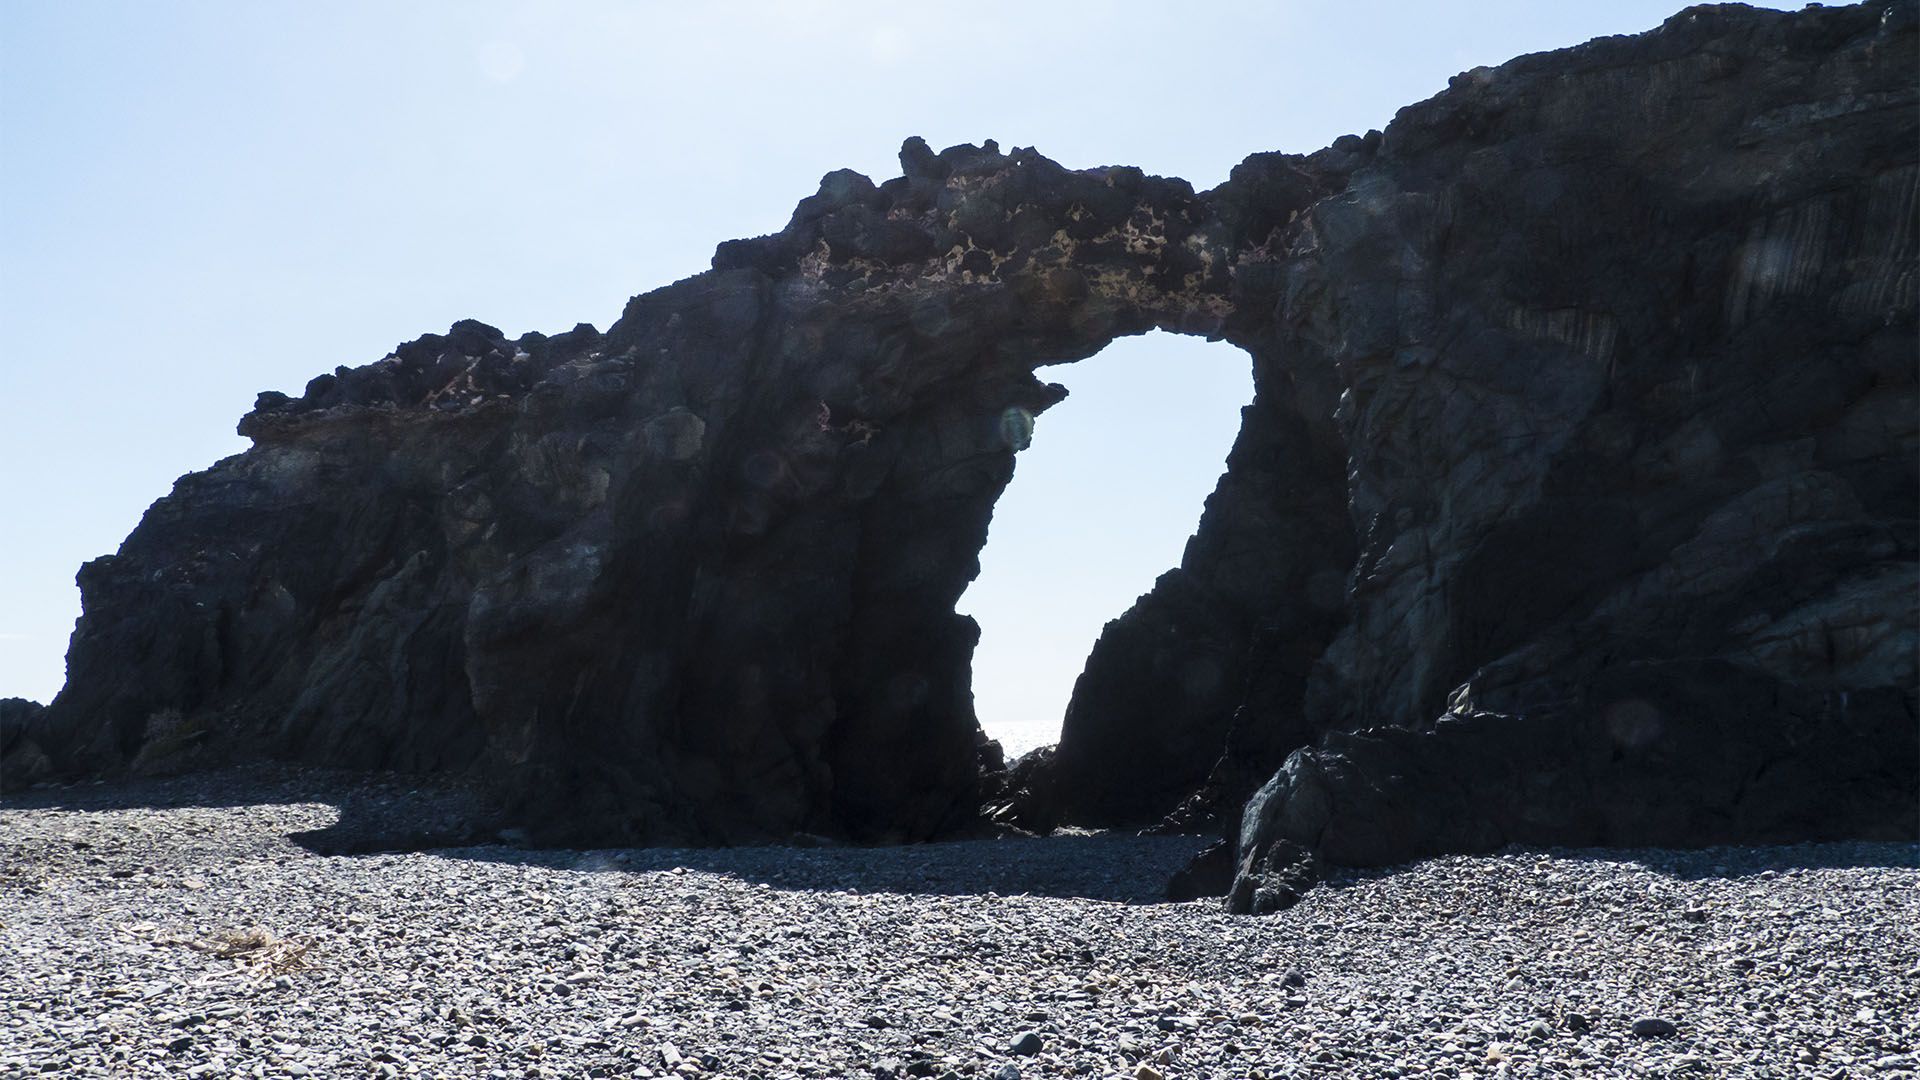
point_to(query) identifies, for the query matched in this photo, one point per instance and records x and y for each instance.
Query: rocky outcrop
(1576, 503)
(1606, 328)
(692, 579)
(22, 761)
(1630, 411)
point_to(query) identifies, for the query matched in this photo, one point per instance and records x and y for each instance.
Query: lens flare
(1016, 427)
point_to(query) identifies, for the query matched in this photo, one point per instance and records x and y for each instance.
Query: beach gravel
(180, 927)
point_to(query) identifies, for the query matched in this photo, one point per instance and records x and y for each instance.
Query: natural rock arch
(1104, 501)
(698, 573)
(1571, 404)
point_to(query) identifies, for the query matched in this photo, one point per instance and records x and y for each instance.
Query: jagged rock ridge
(1583, 421)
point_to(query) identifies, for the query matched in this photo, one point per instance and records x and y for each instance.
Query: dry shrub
(259, 953)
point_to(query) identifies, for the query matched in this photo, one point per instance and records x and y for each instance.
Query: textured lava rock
(1630, 409)
(21, 757)
(690, 579)
(1211, 872)
(1576, 502)
(1271, 877)
(1607, 329)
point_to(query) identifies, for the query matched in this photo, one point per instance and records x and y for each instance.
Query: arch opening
(1101, 504)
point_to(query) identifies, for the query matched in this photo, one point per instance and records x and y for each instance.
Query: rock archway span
(691, 578)
(1575, 504)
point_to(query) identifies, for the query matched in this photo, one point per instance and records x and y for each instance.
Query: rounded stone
(1654, 1027)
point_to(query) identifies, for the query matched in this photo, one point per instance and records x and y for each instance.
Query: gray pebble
(746, 957)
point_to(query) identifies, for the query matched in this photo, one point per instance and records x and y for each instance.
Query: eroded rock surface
(690, 579)
(24, 760)
(1576, 503)
(1630, 409)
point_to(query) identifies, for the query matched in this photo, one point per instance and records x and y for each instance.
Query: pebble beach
(189, 927)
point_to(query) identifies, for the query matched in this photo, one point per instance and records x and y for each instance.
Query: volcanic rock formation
(1576, 504)
(1629, 408)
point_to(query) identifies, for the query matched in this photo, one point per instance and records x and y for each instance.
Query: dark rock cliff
(1608, 330)
(1630, 411)
(691, 579)
(1576, 504)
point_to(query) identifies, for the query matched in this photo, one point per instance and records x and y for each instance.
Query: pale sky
(202, 200)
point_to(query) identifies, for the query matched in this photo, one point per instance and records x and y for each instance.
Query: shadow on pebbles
(174, 928)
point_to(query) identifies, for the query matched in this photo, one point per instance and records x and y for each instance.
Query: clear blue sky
(201, 200)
